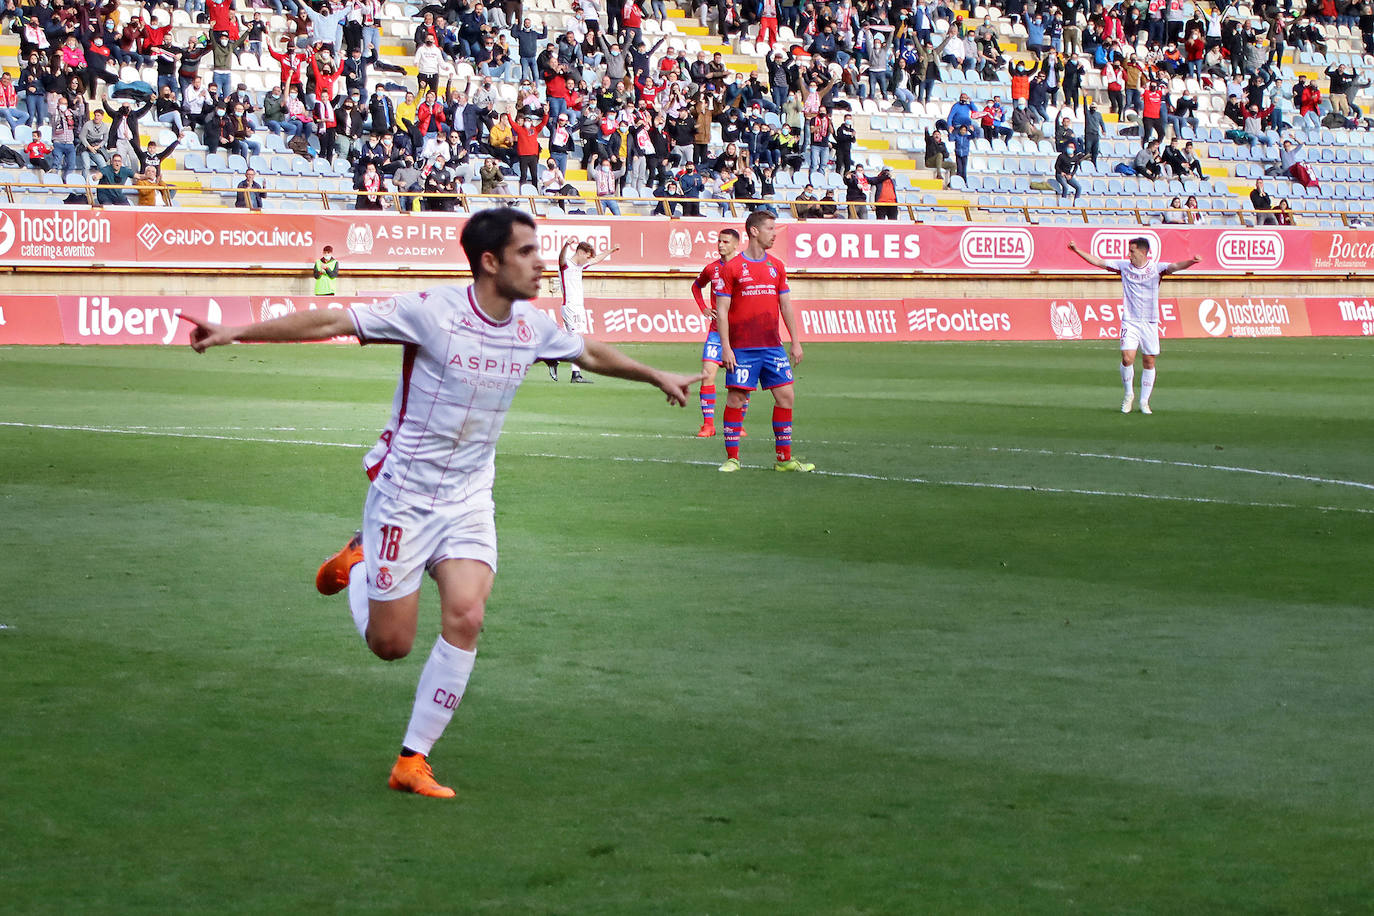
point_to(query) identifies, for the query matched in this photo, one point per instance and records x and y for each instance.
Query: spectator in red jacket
(430, 119)
(527, 145)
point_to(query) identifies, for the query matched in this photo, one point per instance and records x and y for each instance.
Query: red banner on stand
(83, 237)
(145, 320)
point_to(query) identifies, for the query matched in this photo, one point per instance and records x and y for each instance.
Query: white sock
(1147, 384)
(1128, 379)
(575, 369)
(357, 597)
(441, 687)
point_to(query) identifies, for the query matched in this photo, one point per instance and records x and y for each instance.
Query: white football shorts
(574, 318)
(401, 542)
(1140, 335)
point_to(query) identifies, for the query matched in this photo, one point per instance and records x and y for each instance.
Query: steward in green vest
(326, 272)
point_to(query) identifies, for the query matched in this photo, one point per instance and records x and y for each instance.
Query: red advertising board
(79, 237)
(1248, 316)
(29, 320)
(151, 320)
(1352, 317)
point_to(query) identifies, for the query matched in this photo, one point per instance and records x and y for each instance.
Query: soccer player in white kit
(1139, 315)
(570, 269)
(429, 506)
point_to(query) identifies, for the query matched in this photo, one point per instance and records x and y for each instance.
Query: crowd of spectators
(601, 91)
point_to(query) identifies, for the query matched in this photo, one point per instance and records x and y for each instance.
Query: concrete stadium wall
(660, 285)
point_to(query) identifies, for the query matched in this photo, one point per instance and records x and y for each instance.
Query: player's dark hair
(490, 230)
(1140, 242)
(733, 233)
(585, 246)
(757, 219)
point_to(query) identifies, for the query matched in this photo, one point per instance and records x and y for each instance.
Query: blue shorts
(760, 366)
(710, 351)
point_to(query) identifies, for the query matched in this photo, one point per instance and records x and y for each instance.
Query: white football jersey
(459, 372)
(1140, 291)
(570, 275)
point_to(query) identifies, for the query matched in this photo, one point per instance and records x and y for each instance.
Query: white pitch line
(570, 434)
(985, 485)
(972, 484)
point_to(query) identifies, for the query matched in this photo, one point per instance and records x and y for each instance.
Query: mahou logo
(1065, 320)
(1250, 250)
(999, 247)
(679, 244)
(1114, 244)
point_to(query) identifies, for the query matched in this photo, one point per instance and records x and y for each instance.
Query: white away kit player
(465, 351)
(1139, 315)
(570, 268)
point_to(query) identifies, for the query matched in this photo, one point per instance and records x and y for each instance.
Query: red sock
(734, 419)
(782, 432)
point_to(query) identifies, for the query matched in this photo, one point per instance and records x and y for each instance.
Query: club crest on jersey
(523, 333)
(772, 272)
(383, 307)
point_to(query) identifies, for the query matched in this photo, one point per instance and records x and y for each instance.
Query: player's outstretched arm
(603, 256)
(1176, 266)
(605, 359)
(1092, 259)
(315, 324)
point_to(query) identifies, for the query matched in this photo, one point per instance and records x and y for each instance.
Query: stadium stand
(925, 111)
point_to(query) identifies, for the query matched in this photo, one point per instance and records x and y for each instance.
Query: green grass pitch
(1013, 652)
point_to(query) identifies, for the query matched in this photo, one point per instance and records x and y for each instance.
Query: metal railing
(724, 208)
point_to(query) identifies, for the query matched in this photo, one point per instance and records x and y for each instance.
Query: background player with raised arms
(429, 506)
(570, 267)
(727, 243)
(1139, 313)
(751, 293)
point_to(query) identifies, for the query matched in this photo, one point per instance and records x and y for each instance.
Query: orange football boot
(332, 577)
(708, 429)
(412, 774)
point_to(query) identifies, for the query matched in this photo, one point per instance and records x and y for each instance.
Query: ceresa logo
(1211, 314)
(1114, 244)
(6, 233)
(1065, 320)
(1250, 250)
(1000, 247)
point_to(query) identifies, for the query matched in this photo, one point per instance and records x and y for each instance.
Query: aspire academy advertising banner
(79, 237)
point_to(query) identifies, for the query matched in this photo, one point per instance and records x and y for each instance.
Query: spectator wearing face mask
(844, 145)
(527, 145)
